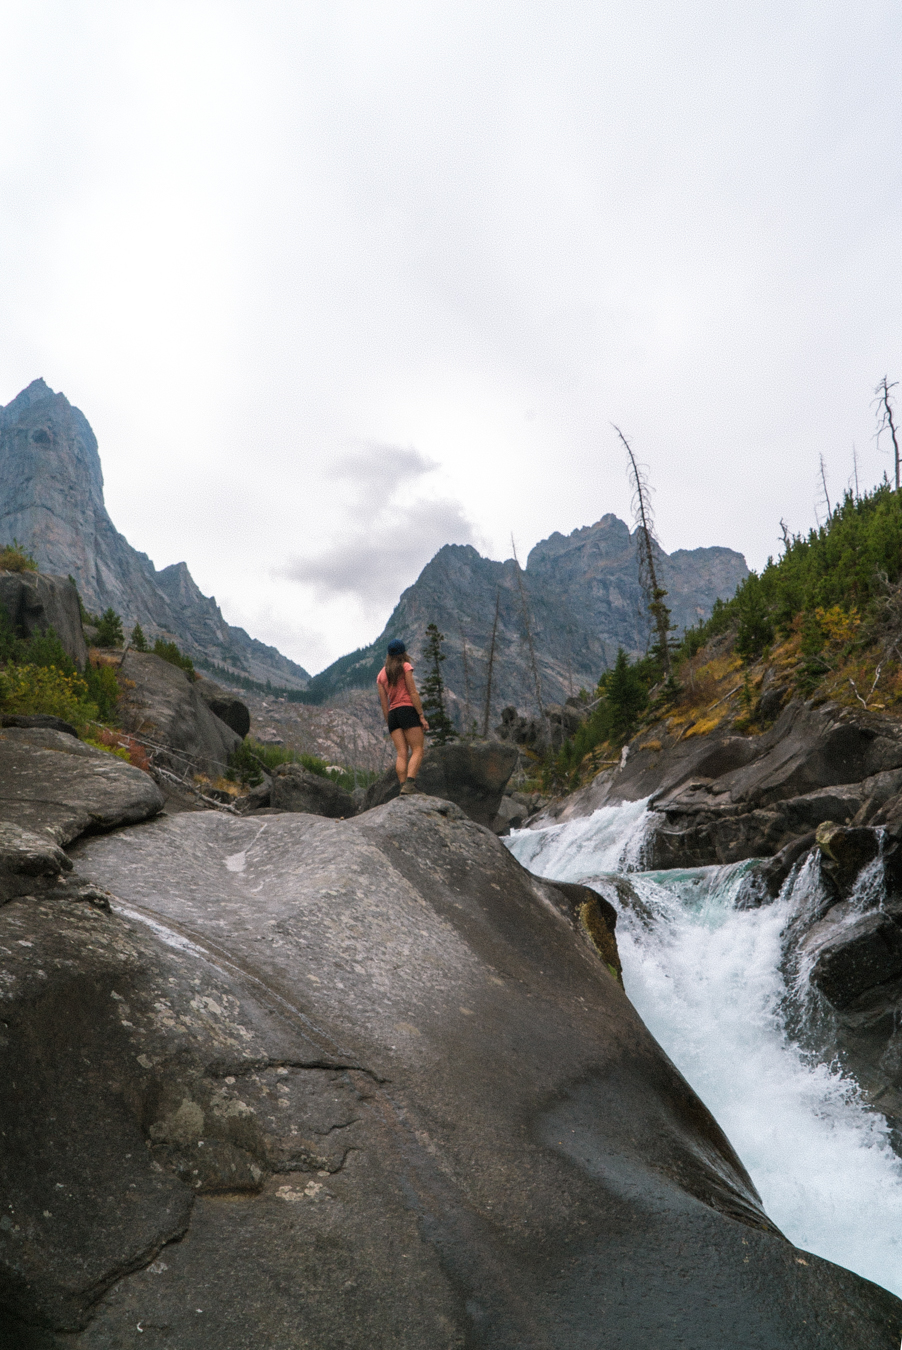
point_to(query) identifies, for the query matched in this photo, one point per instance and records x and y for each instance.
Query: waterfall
(705, 976)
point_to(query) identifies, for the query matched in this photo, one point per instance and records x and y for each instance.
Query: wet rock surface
(55, 786)
(472, 774)
(364, 1083)
(843, 945)
(164, 708)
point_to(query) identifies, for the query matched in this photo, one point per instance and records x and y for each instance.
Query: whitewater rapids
(705, 977)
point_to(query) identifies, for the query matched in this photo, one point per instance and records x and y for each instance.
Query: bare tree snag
(645, 541)
(885, 418)
(823, 477)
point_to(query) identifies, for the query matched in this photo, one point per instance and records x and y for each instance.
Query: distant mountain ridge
(51, 500)
(583, 600)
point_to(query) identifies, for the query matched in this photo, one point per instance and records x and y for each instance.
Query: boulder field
(357, 1083)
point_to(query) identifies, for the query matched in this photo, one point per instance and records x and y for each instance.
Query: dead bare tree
(885, 420)
(823, 478)
(527, 627)
(488, 684)
(645, 542)
(854, 478)
(784, 533)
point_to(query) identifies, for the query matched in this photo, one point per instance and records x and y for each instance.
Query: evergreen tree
(138, 640)
(626, 696)
(441, 728)
(109, 629)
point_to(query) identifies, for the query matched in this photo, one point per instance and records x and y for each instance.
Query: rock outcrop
(225, 705)
(56, 787)
(723, 797)
(364, 1083)
(164, 708)
(295, 788)
(584, 601)
(472, 774)
(35, 603)
(51, 500)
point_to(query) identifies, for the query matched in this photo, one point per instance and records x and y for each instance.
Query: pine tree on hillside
(109, 629)
(138, 640)
(441, 728)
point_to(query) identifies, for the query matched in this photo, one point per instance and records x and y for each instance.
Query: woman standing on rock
(403, 711)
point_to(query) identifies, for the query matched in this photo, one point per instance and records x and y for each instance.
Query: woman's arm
(383, 698)
(415, 698)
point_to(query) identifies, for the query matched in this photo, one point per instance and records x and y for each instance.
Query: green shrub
(103, 689)
(138, 640)
(14, 558)
(170, 652)
(28, 689)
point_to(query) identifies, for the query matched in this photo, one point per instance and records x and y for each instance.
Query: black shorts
(402, 719)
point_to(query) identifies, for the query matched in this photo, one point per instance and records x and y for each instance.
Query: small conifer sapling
(441, 728)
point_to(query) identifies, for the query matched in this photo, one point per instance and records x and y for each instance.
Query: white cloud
(391, 529)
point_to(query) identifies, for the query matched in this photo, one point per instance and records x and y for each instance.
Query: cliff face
(583, 600)
(51, 500)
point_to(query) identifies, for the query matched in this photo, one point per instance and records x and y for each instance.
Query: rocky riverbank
(368, 1083)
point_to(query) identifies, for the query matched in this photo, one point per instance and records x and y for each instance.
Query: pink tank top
(398, 696)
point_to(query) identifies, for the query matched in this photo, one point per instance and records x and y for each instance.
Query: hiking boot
(408, 787)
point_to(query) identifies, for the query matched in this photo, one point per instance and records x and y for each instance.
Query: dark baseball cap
(396, 647)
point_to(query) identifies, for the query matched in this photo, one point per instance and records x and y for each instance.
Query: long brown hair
(394, 668)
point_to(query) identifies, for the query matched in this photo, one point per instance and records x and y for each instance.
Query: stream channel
(705, 977)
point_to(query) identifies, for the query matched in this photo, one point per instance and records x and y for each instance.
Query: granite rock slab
(365, 1083)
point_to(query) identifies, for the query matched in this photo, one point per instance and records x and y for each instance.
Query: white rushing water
(705, 978)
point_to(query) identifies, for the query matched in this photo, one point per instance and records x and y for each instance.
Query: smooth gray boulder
(472, 774)
(163, 708)
(359, 1084)
(55, 786)
(295, 788)
(36, 601)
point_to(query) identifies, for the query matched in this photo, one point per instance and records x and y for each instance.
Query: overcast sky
(336, 283)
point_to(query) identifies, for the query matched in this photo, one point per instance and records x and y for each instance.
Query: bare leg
(400, 745)
(415, 741)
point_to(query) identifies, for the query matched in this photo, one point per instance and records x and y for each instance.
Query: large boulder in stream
(359, 1084)
(472, 774)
